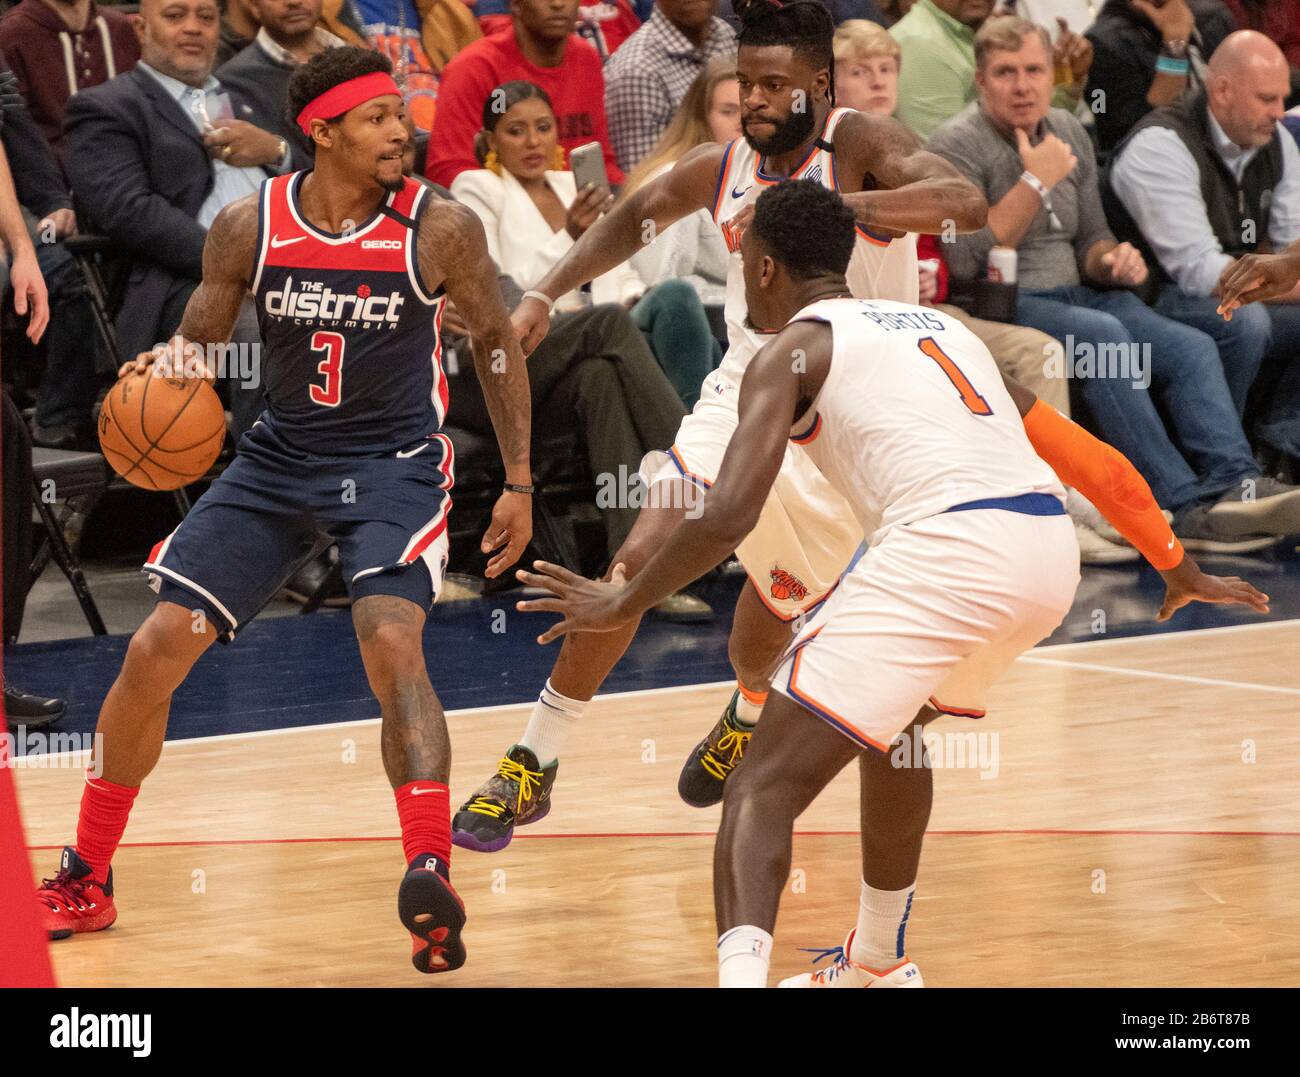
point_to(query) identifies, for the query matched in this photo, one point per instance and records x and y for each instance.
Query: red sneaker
(434, 915)
(73, 902)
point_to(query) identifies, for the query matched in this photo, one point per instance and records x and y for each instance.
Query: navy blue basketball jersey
(351, 358)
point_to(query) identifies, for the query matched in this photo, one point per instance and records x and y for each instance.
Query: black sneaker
(32, 711)
(519, 793)
(715, 757)
(431, 910)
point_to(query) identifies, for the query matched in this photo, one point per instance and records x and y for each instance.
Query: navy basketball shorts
(262, 517)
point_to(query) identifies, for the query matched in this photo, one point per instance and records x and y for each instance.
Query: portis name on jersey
(313, 303)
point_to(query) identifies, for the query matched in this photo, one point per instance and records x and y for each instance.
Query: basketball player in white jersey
(806, 535)
(972, 560)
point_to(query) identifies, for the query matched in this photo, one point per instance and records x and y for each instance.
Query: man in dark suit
(154, 155)
(289, 36)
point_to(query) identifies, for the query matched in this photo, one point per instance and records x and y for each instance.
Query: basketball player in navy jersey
(348, 265)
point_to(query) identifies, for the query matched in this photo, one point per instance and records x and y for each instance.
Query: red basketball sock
(424, 810)
(105, 807)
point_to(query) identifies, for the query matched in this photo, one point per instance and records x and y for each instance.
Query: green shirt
(936, 79)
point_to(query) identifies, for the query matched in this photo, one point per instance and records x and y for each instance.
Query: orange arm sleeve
(1105, 477)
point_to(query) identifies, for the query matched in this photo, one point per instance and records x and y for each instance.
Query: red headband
(347, 96)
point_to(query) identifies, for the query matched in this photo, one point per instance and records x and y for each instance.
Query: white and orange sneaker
(843, 972)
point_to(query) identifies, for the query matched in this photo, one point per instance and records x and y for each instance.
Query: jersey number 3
(976, 403)
(329, 394)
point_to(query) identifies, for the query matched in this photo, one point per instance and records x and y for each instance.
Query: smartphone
(588, 165)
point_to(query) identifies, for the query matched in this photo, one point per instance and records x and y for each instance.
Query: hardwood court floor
(1123, 840)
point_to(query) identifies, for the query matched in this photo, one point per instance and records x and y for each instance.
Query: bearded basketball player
(806, 534)
(348, 265)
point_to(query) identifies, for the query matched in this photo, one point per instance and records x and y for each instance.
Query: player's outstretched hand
(1186, 584)
(1256, 277)
(530, 321)
(587, 605)
(509, 531)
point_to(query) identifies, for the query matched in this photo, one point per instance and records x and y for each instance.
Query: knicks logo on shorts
(787, 586)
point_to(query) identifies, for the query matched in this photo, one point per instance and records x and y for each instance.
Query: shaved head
(1246, 51)
(1247, 85)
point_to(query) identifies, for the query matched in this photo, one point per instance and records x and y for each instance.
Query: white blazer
(522, 244)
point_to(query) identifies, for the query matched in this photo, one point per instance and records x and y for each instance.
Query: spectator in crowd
(57, 47)
(238, 28)
(866, 67)
(937, 39)
(595, 367)
(533, 213)
(1037, 169)
(866, 78)
(605, 23)
(288, 36)
(646, 82)
(1146, 53)
(540, 48)
(69, 385)
(419, 37)
(1199, 184)
(154, 156)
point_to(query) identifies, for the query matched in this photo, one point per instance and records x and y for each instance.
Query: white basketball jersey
(881, 267)
(914, 418)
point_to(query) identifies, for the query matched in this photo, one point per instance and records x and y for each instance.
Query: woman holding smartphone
(533, 211)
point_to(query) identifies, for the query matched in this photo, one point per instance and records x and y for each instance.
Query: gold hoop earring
(491, 162)
(557, 160)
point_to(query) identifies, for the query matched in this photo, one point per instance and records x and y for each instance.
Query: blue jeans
(1242, 342)
(675, 325)
(1204, 451)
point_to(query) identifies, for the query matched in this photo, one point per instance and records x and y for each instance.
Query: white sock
(549, 724)
(749, 705)
(882, 922)
(743, 956)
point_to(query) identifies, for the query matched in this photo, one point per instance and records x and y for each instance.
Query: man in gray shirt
(1037, 169)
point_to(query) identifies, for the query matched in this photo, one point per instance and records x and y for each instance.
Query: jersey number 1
(976, 403)
(329, 394)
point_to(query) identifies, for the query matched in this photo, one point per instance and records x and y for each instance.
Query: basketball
(161, 433)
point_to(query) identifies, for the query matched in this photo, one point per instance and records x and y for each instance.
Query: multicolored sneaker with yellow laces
(843, 972)
(519, 793)
(715, 757)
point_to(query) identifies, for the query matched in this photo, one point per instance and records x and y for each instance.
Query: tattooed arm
(892, 183)
(229, 253)
(453, 252)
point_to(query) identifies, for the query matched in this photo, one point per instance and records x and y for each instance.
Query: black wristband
(515, 488)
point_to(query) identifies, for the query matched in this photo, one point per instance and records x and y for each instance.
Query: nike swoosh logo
(739, 194)
(412, 452)
(276, 241)
(421, 792)
(1171, 544)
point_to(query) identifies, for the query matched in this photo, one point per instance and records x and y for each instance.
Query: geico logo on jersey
(382, 245)
(311, 302)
